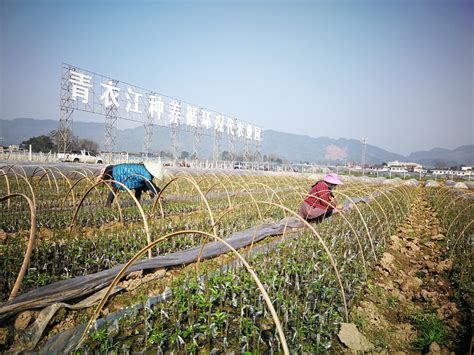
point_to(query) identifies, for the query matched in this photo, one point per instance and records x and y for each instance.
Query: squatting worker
(318, 203)
(138, 177)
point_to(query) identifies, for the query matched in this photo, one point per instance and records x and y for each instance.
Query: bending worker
(138, 177)
(318, 203)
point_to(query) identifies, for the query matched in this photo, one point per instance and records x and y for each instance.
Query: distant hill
(445, 157)
(293, 147)
(298, 147)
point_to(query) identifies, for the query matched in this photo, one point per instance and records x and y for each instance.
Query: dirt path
(409, 304)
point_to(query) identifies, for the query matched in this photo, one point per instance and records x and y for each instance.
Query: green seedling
(430, 329)
(393, 302)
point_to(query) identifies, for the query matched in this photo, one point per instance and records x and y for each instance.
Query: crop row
(223, 310)
(455, 211)
(61, 253)
(310, 280)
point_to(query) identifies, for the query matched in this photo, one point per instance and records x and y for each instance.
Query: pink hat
(332, 178)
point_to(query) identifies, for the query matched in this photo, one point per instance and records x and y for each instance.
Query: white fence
(116, 158)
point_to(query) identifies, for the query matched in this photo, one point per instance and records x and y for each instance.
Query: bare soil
(411, 279)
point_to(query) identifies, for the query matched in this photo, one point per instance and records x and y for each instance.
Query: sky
(397, 72)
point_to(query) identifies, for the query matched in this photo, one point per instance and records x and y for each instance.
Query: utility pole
(364, 148)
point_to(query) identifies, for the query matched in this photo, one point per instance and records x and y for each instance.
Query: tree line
(48, 143)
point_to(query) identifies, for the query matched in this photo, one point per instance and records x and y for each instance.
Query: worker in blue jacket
(138, 177)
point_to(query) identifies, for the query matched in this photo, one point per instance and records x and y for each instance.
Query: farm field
(223, 262)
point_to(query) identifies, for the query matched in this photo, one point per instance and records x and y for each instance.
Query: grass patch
(393, 302)
(375, 290)
(430, 329)
(420, 274)
(360, 321)
(381, 339)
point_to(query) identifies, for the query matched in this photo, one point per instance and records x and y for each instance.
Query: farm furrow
(414, 301)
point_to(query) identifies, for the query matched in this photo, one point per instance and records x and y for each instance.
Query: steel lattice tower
(258, 153)
(197, 134)
(174, 141)
(232, 147)
(247, 150)
(148, 127)
(66, 106)
(217, 145)
(110, 125)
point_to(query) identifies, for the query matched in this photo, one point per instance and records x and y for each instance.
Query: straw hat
(332, 179)
(155, 169)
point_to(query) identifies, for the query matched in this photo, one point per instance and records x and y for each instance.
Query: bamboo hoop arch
(203, 197)
(460, 236)
(41, 177)
(8, 186)
(457, 216)
(68, 182)
(142, 213)
(31, 241)
(374, 199)
(10, 168)
(453, 201)
(201, 233)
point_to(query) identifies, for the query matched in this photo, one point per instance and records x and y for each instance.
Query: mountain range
(288, 146)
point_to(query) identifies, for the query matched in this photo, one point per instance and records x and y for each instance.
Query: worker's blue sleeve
(152, 187)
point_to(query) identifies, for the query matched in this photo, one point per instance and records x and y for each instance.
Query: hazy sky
(398, 72)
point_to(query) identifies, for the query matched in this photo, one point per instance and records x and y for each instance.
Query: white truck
(82, 156)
